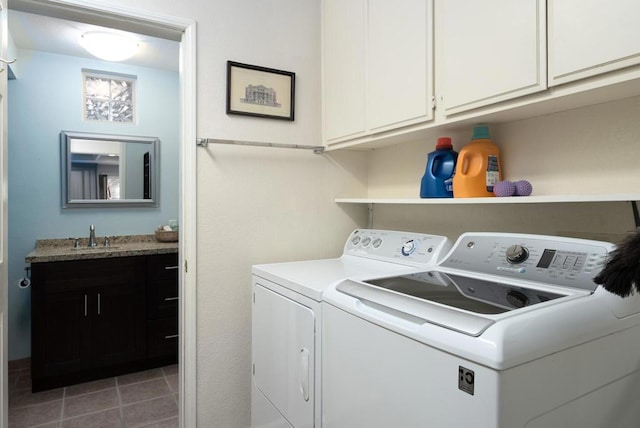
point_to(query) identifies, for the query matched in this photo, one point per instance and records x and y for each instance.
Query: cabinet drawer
(163, 266)
(162, 299)
(80, 274)
(162, 286)
(162, 337)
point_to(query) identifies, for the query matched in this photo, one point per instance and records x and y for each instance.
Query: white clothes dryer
(286, 318)
(508, 331)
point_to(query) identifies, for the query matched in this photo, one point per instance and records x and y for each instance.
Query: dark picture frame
(260, 92)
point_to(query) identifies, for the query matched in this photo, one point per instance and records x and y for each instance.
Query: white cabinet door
(489, 51)
(590, 37)
(377, 66)
(283, 341)
(399, 62)
(343, 62)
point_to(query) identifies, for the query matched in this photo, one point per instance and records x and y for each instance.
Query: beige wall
(257, 206)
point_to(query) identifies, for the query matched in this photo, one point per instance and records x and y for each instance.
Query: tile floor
(145, 399)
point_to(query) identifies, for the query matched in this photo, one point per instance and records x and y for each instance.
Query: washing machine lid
(465, 304)
(472, 294)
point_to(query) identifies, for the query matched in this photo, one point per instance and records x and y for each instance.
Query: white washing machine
(508, 331)
(286, 318)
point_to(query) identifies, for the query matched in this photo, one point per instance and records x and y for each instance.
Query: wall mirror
(104, 170)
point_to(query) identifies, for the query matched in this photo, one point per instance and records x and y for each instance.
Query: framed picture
(259, 91)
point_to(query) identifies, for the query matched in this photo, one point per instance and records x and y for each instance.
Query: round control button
(366, 241)
(377, 243)
(517, 254)
(355, 240)
(408, 247)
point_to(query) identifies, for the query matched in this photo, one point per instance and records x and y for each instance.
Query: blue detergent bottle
(437, 181)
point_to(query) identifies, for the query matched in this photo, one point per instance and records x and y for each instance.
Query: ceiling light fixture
(109, 46)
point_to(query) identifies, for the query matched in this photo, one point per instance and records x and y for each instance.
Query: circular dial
(366, 241)
(408, 247)
(517, 299)
(517, 254)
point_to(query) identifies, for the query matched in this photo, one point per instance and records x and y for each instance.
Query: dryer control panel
(550, 259)
(410, 248)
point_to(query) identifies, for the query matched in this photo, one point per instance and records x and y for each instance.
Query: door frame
(4, 225)
(184, 31)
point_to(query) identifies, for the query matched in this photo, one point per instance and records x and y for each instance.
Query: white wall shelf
(609, 197)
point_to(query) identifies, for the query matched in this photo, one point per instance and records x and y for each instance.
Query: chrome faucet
(92, 236)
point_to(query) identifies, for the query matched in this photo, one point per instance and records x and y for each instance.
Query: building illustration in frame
(260, 95)
(260, 92)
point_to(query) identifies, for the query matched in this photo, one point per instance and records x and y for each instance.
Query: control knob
(517, 254)
(408, 247)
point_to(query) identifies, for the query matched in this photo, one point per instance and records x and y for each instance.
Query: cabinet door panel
(61, 333)
(119, 324)
(283, 354)
(490, 51)
(343, 50)
(590, 37)
(400, 72)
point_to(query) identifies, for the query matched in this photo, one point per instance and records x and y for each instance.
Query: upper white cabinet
(491, 61)
(399, 62)
(377, 66)
(590, 37)
(489, 51)
(343, 63)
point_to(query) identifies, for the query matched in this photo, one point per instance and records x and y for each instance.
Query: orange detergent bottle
(478, 167)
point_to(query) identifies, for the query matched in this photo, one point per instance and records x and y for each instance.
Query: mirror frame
(154, 153)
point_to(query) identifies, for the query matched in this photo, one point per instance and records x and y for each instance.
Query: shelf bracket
(370, 218)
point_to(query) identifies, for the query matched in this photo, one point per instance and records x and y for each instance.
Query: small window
(108, 97)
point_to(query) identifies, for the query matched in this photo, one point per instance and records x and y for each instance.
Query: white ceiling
(47, 34)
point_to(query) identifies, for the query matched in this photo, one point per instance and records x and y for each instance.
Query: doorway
(182, 31)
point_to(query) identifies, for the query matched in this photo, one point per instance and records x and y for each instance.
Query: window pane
(96, 87)
(97, 109)
(121, 112)
(121, 90)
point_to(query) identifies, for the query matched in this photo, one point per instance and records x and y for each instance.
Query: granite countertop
(55, 250)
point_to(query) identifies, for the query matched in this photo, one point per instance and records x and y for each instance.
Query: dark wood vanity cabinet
(90, 318)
